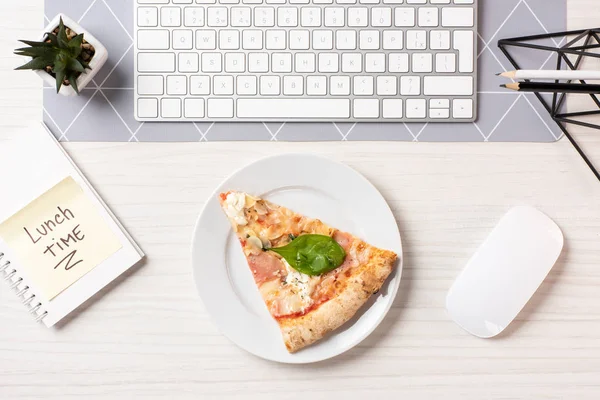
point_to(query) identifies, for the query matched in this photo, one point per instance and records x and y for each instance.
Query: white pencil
(567, 75)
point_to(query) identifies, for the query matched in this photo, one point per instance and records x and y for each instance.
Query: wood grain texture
(149, 336)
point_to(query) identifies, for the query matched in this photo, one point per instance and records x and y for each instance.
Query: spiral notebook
(59, 242)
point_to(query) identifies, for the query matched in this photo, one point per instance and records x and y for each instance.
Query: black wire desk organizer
(578, 46)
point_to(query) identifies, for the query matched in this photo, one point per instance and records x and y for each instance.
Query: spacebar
(293, 108)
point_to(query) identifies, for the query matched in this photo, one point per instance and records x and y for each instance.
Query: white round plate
(316, 187)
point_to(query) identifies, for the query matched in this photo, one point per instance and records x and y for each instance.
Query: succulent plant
(57, 53)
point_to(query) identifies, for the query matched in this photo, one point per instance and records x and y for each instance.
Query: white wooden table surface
(149, 336)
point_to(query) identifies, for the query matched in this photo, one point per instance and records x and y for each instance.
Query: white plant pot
(96, 63)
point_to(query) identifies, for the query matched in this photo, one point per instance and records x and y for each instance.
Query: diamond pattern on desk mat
(104, 111)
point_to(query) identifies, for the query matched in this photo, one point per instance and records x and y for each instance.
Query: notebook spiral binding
(24, 293)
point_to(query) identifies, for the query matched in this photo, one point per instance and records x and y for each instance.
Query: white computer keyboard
(306, 60)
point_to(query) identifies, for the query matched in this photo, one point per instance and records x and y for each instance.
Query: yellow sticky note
(59, 237)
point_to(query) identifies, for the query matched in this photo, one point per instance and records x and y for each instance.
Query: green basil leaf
(312, 254)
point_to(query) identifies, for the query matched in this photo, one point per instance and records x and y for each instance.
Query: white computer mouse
(505, 272)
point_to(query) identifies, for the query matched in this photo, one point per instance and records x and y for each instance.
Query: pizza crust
(302, 331)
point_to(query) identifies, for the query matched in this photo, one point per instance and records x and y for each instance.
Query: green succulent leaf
(75, 45)
(85, 64)
(60, 78)
(63, 40)
(36, 63)
(46, 52)
(75, 65)
(36, 44)
(73, 81)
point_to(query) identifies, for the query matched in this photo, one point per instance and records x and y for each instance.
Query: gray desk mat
(104, 111)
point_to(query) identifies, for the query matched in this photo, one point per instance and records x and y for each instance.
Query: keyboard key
(281, 62)
(416, 108)
(200, 85)
(258, 62)
(464, 43)
(206, 39)
(404, 17)
(439, 103)
(269, 85)
(153, 1)
(264, 16)
(150, 85)
(147, 16)
(170, 108)
(246, 85)
(387, 86)
(216, 16)
(398, 62)
(334, 16)
(345, 40)
(311, 16)
(316, 85)
(375, 62)
(328, 62)
(153, 39)
(229, 39)
(439, 40)
(276, 39)
(358, 17)
(147, 108)
(339, 85)
(240, 16)
(193, 16)
(287, 16)
(170, 16)
(176, 85)
(211, 62)
(428, 16)
(156, 62)
(381, 16)
(458, 17)
(363, 85)
(299, 39)
(351, 62)
(439, 113)
(183, 39)
(223, 85)
(305, 62)
(220, 108)
(393, 39)
(462, 108)
(442, 85)
(369, 40)
(293, 108)
(410, 85)
(392, 108)
(422, 62)
(322, 40)
(445, 62)
(235, 62)
(416, 40)
(366, 108)
(194, 108)
(293, 85)
(252, 39)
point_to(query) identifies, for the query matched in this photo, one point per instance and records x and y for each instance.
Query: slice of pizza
(312, 277)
